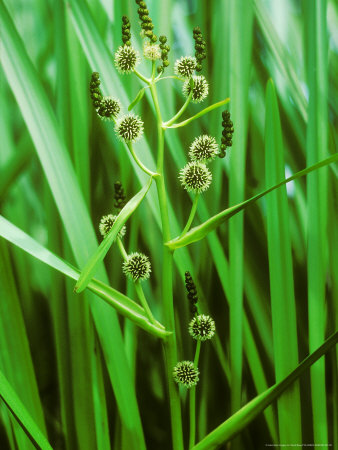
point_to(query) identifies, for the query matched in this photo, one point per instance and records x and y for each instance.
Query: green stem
(138, 162)
(138, 287)
(169, 345)
(141, 77)
(191, 216)
(173, 77)
(196, 116)
(180, 112)
(192, 402)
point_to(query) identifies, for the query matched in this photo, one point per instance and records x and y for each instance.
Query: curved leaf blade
(123, 304)
(199, 232)
(21, 414)
(231, 427)
(137, 99)
(97, 257)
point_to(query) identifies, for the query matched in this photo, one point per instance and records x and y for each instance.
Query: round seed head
(109, 108)
(199, 91)
(152, 51)
(129, 128)
(137, 267)
(126, 59)
(185, 66)
(195, 177)
(186, 373)
(204, 148)
(202, 327)
(106, 224)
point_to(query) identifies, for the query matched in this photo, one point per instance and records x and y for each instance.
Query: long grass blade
(317, 209)
(21, 414)
(231, 427)
(199, 232)
(283, 307)
(120, 302)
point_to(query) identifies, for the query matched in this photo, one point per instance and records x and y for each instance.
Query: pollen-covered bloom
(199, 91)
(129, 128)
(152, 51)
(195, 177)
(106, 224)
(137, 267)
(109, 108)
(126, 59)
(202, 327)
(186, 373)
(204, 148)
(185, 66)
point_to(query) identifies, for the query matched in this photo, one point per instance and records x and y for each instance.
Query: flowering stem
(180, 112)
(191, 216)
(138, 162)
(138, 287)
(169, 345)
(192, 402)
(199, 114)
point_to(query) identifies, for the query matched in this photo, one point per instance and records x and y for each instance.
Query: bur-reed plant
(101, 360)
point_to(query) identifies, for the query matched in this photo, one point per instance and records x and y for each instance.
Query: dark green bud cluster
(146, 22)
(200, 48)
(126, 35)
(192, 293)
(119, 196)
(165, 49)
(95, 91)
(228, 131)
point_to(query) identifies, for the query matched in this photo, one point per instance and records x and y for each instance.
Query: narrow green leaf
(238, 421)
(283, 307)
(123, 304)
(199, 232)
(21, 414)
(137, 99)
(92, 265)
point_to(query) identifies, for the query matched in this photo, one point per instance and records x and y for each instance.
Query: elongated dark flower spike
(200, 48)
(94, 89)
(192, 293)
(146, 22)
(228, 131)
(119, 196)
(165, 49)
(126, 35)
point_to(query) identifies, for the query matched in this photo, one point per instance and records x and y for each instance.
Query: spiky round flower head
(126, 59)
(129, 128)
(202, 327)
(185, 66)
(186, 373)
(199, 91)
(109, 108)
(137, 267)
(107, 222)
(152, 51)
(195, 177)
(204, 148)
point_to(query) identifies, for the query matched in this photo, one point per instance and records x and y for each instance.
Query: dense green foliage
(86, 353)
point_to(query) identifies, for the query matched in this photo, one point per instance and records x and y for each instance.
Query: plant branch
(138, 162)
(179, 113)
(191, 215)
(192, 401)
(200, 114)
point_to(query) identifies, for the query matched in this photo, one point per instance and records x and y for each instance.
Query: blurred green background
(270, 284)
